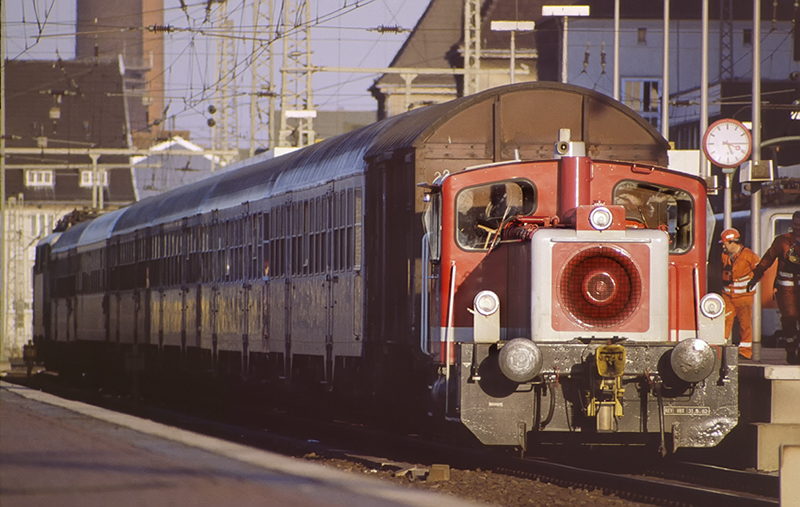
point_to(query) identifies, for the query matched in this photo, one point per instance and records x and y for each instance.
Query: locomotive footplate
(595, 390)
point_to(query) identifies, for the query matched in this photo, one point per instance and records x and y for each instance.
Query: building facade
(56, 112)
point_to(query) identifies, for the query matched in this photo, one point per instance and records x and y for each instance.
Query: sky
(343, 34)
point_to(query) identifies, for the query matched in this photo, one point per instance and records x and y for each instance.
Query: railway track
(626, 475)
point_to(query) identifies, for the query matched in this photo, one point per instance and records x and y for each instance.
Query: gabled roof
(436, 32)
(66, 104)
(166, 171)
(178, 142)
(437, 39)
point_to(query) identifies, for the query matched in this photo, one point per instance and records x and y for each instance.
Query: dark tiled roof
(89, 100)
(436, 40)
(437, 32)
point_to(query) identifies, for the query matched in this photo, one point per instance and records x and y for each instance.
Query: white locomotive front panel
(600, 284)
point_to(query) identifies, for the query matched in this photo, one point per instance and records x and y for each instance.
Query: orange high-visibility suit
(786, 250)
(737, 271)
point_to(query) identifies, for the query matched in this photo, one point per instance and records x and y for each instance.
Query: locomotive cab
(565, 301)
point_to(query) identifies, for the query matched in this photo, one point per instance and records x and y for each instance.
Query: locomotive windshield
(483, 208)
(652, 206)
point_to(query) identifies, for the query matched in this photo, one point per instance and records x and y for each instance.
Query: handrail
(696, 295)
(424, 325)
(448, 333)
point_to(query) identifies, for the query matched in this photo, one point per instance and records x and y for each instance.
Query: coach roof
(486, 127)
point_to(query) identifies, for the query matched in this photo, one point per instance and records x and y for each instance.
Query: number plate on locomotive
(687, 411)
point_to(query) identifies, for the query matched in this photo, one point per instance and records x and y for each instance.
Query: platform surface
(58, 452)
(771, 366)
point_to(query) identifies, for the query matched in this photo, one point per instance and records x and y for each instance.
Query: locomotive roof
(533, 114)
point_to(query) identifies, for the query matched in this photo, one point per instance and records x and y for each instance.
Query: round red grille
(600, 287)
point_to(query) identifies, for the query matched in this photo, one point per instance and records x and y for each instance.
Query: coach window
(357, 230)
(351, 222)
(313, 221)
(781, 226)
(482, 210)
(277, 240)
(210, 266)
(265, 245)
(651, 206)
(253, 247)
(279, 245)
(336, 257)
(238, 252)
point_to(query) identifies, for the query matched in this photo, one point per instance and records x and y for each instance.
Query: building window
(642, 36)
(87, 178)
(642, 96)
(747, 36)
(39, 178)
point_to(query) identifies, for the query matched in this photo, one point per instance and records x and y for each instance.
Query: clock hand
(726, 143)
(733, 145)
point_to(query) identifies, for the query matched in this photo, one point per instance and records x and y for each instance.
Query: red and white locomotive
(566, 296)
(519, 260)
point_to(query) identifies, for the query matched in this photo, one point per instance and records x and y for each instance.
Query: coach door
(245, 258)
(278, 286)
(347, 287)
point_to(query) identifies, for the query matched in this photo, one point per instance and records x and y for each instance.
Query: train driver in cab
(786, 250)
(738, 263)
(483, 210)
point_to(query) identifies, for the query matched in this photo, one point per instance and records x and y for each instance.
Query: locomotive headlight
(600, 218)
(692, 360)
(520, 360)
(712, 305)
(486, 302)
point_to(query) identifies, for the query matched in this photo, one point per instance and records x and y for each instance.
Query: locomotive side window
(652, 206)
(482, 209)
(432, 222)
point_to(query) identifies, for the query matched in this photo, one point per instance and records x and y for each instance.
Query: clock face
(727, 143)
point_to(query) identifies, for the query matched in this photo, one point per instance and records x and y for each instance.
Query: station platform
(58, 452)
(769, 410)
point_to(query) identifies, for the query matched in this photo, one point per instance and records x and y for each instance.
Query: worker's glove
(751, 285)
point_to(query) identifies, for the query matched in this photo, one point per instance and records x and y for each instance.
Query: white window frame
(87, 178)
(634, 91)
(39, 178)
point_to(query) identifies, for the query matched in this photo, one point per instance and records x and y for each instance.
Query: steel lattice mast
(296, 84)
(725, 40)
(472, 46)
(261, 114)
(225, 132)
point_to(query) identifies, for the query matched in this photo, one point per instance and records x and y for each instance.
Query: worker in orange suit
(738, 263)
(786, 250)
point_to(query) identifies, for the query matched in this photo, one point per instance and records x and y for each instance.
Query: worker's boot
(792, 356)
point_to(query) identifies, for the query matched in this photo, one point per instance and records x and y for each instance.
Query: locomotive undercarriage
(570, 400)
